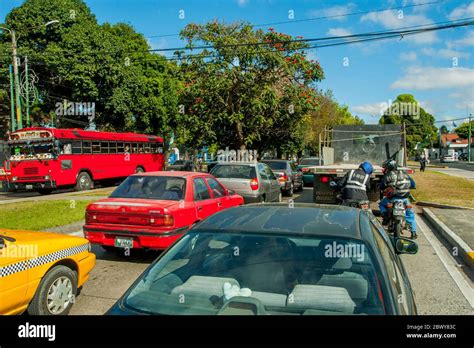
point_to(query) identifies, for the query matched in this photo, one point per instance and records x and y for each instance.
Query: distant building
(452, 141)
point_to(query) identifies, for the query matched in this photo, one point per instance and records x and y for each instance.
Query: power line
(323, 17)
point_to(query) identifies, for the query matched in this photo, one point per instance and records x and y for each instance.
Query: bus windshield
(31, 150)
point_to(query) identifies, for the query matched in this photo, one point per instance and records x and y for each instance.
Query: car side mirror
(405, 246)
(230, 192)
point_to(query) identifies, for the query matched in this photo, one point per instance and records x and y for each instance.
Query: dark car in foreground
(274, 259)
(289, 176)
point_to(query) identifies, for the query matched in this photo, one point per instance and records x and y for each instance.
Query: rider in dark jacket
(355, 184)
(400, 184)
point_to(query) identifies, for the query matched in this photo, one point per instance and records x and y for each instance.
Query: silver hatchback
(254, 181)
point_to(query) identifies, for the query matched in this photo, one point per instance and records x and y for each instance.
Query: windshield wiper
(10, 239)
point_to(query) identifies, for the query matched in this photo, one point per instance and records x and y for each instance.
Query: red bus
(44, 159)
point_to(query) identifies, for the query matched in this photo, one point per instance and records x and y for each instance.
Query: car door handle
(219, 204)
(199, 208)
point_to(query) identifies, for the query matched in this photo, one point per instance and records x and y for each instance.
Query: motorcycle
(396, 216)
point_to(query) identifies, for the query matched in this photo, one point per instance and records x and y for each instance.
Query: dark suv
(288, 175)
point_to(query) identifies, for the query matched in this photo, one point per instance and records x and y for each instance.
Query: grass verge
(40, 215)
(432, 186)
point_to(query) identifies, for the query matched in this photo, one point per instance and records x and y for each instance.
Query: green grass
(99, 193)
(432, 186)
(40, 215)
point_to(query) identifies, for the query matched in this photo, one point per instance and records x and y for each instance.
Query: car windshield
(310, 162)
(275, 165)
(234, 172)
(230, 273)
(151, 187)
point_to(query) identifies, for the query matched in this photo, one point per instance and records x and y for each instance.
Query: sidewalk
(459, 221)
(457, 227)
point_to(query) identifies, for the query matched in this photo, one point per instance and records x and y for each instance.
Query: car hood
(35, 243)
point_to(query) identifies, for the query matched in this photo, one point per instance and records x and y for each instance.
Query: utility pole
(469, 140)
(17, 81)
(12, 102)
(27, 93)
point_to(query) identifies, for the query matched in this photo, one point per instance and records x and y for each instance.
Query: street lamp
(15, 70)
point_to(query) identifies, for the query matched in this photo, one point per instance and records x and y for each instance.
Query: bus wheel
(44, 191)
(139, 170)
(84, 182)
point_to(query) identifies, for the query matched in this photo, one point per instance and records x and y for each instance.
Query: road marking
(448, 262)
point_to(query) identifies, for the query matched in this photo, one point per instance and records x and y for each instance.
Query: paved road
(434, 274)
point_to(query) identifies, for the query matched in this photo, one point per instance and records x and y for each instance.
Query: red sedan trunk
(153, 210)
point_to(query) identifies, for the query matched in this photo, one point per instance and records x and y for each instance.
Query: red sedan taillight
(254, 184)
(165, 220)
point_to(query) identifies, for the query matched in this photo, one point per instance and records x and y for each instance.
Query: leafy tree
(463, 130)
(419, 124)
(328, 114)
(443, 129)
(81, 61)
(252, 88)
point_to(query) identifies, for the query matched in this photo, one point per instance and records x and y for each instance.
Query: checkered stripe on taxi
(41, 260)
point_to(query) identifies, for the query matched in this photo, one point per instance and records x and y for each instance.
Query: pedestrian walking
(423, 161)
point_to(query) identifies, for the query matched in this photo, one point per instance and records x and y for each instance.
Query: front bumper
(86, 265)
(142, 238)
(31, 185)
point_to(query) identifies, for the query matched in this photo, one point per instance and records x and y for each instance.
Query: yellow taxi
(40, 272)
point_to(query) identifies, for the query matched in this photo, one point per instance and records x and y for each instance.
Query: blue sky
(437, 67)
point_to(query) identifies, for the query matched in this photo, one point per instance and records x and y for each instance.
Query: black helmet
(389, 165)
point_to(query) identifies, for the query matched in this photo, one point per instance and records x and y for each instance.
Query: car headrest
(321, 297)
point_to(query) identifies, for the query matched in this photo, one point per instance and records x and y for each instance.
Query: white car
(448, 158)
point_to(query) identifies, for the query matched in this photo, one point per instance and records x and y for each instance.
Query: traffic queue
(229, 246)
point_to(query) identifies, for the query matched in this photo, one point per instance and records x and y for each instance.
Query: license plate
(29, 187)
(398, 212)
(121, 242)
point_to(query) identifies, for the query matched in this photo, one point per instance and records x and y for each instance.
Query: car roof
(174, 173)
(276, 160)
(306, 219)
(237, 163)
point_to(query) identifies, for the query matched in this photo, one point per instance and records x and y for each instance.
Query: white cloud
(467, 40)
(463, 11)
(423, 78)
(464, 99)
(370, 109)
(444, 53)
(408, 56)
(242, 3)
(392, 19)
(337, 12)
(338, 32)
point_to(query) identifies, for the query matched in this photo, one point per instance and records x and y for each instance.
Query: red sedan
(152, 210)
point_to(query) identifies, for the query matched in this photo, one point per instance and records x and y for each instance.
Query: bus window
(86, 147)
(120, 148)
(135, 148)
(77, 147)
(104, 147)
(140, 148)
(127, 148)
(96, 147)
(147, 148)
(112, 147)
(67, 149)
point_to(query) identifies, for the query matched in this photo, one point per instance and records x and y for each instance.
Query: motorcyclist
(397, 184)
(355, 184)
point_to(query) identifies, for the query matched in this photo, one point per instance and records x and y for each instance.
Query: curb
(454, 240)
(441, 206)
